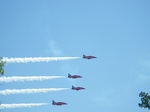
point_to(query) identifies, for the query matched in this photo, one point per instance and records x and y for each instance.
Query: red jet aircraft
(58, 103)
(77, 88)
(74, 76)
(88, 57)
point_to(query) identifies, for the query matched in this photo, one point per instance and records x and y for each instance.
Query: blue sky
(117, 32)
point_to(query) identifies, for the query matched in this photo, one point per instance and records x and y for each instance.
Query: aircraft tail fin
(68, 74)
(72, 87)
(53, 102)
(84, 56)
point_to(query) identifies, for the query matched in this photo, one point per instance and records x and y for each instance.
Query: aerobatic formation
(35, 78)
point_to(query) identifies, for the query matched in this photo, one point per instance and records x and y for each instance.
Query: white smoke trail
(27, 78)
(28, 91)
(36, 59)
(20, 105)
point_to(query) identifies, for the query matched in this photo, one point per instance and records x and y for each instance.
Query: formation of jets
(73, 87)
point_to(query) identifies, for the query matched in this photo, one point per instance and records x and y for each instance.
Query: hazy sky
(117, 32)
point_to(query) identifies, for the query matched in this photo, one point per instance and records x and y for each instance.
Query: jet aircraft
(74, 76)
(77, 88)
(58, 103)
(88, 57)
